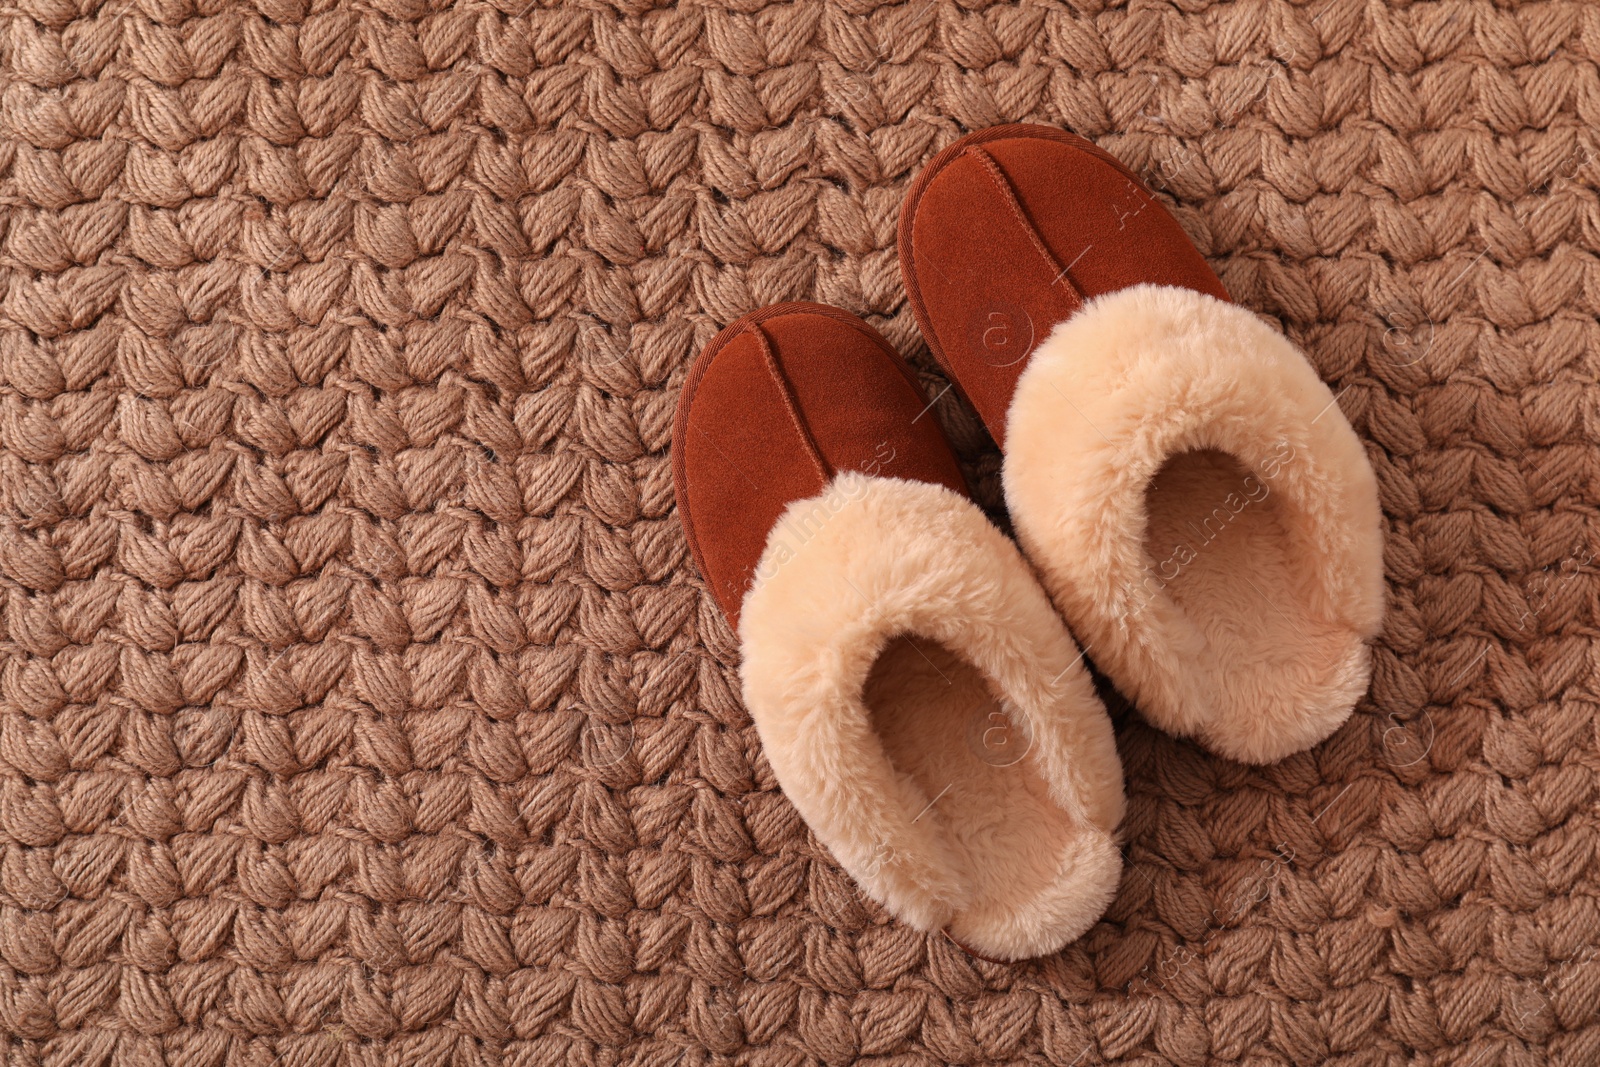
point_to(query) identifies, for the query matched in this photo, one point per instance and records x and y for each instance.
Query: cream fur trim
(1243, 628)
(1015, 861)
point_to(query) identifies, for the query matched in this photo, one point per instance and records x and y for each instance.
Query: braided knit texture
(359, 702)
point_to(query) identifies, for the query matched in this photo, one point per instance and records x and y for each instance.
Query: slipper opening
(1203, 515)
(1238, 564)
(1024, 862)
(924, 709)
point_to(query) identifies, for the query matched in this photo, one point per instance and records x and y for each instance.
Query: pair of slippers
(1188, 500)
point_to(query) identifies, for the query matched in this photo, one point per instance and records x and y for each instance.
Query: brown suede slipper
(1192, 496)
(917, 697)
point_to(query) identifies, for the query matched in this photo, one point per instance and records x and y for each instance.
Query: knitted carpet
(360, 704)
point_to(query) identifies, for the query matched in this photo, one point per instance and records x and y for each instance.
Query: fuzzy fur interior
(1204, 517)
(890, 626)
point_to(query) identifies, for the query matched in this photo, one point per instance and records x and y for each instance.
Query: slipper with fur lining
(1197, 505)
(918, 698)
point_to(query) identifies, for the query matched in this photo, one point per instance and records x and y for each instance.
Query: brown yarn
(359, 704)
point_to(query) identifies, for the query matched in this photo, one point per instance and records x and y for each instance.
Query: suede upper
(1008, 231)
(778, 403)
